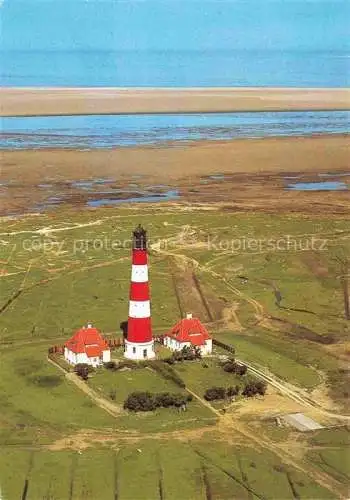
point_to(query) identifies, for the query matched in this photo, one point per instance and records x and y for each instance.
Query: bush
(129, 363)
(140, 401)
(229, 367)
(233, 367)
(187, 353)
(170, 361)
(110, 365)
(83, 370)
(145, 401)
(215, 393)
(261, 387)
(241, 369)
(255, 387)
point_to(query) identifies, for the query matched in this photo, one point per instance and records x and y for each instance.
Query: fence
(224, 346)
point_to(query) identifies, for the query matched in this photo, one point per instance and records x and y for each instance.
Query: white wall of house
(106, 356)
(207, 348)
(74, 359)
(174, 345)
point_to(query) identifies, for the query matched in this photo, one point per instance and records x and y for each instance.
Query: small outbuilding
(87, 346)
(189, 332)
(301, 422)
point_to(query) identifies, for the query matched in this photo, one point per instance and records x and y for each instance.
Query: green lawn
(202, 375)
(36, 400)
(122, 383)
(153, 469)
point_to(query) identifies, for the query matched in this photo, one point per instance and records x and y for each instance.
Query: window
(134, 350)
(145, 353)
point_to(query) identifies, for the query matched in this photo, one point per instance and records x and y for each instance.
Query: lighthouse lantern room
(139, 343)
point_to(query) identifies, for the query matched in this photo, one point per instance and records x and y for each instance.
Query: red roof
(189, 330)
(88, 340)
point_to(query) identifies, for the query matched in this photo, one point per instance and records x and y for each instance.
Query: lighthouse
(139, 343)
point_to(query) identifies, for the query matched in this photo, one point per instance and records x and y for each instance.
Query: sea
(109, 131)
(177, 68)
(212, 68)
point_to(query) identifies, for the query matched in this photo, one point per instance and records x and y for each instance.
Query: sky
(174, 24)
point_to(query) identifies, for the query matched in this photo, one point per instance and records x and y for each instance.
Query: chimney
(89, 325)
(189, 316)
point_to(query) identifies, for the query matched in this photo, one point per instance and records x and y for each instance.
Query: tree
(254, 387)
(229, 367)
(188, 353)
(140, 401)
(233, 367)
(82, 370)
(215, 393)
(241, 369)
(145, 401)
(261, 387)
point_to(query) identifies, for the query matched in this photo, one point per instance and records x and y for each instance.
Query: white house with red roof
(188, 332)
(87, 346)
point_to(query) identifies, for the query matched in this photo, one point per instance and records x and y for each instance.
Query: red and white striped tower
(139, 343)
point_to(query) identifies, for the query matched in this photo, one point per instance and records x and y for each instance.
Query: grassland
(58, 275)
(331, 452)
(154, 469)
(38, 403)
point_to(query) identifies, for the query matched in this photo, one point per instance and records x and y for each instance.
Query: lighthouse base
(139, 350)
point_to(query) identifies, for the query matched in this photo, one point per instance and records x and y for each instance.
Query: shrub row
(251, 388)
(255, 387)
(215, 393)
(167, 372)
(57, 358)
(127, 363)
(146, 401)
(56, 349)
(187, 353)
